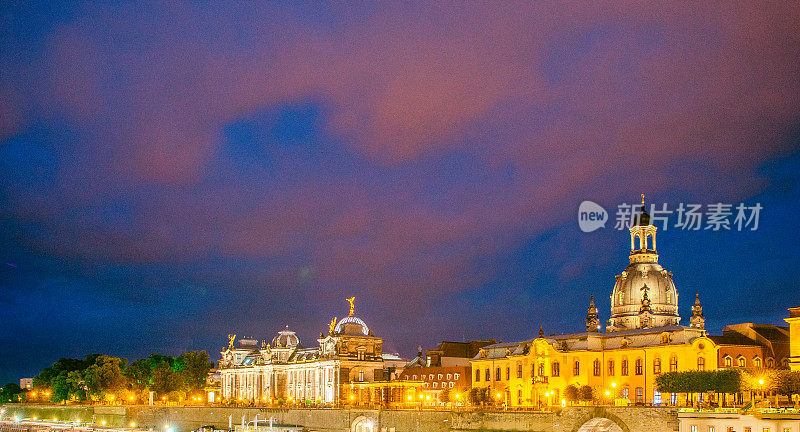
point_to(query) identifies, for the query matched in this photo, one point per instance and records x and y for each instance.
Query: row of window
(732, 429)
(435, 384)
(555, 369)
(454, 376)
(740, 361)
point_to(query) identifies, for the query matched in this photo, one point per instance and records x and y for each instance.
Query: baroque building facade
(283, 370)
(643, 339)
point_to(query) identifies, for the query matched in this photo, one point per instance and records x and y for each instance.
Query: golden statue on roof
(231, 338)
(332, 325)
(352, 307)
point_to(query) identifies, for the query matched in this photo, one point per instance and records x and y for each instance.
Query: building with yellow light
(794, 326)
(643, 339)
(336, 371)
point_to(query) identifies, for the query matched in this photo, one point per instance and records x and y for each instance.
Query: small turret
(697, 320)
(592, 322)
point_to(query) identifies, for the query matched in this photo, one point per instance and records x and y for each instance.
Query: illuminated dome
(629, 289)
(285, 339)
(352, 325)
(644, 294)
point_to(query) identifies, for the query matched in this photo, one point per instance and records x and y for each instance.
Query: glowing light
(409, 397)
(352, 397)
(103, 422)
(133, 424)
(761, 382)
(498, 395)
(131, 398)
(608, 393)
(428, 397)
(458, 395)
(563, 403)
(613, 384)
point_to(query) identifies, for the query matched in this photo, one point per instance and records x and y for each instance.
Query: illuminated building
(283, 370)
(794, 330)
(642, 340)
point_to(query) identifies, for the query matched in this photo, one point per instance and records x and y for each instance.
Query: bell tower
(643, 238)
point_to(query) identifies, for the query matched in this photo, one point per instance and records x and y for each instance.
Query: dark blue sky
(171, 174)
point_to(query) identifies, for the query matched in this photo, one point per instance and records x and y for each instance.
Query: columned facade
(282, 371)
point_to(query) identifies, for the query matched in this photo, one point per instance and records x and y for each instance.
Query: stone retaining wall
(181, 419)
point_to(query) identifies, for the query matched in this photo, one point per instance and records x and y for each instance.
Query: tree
(138, 374)
(586, 393)
(571, 393)
(788, 383)
(194, 368)
(165, 380)
(10, 392)
(474, 396)
(105, 375)
(444, 396)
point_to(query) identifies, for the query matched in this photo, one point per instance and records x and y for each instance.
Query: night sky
(170, 174)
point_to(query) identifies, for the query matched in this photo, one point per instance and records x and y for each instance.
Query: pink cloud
(565, 100)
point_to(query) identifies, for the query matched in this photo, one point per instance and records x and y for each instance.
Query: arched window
(728, 362)
(639, 395)
(497, 375)
(487, 376)
(770, 362)
(555, 369)
(701, 364)
(477, 375)
(576, 369)
(611, 368)
(596, 367)
(624, 371)
(657, 365)
(757, 362)
(638, 366)
(673, 363)
(740, 360)
(541, 369)
(519, 370)
(669, 297)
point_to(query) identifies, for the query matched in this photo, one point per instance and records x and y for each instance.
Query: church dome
(285, 339)
(644, 294)
(629, 291)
